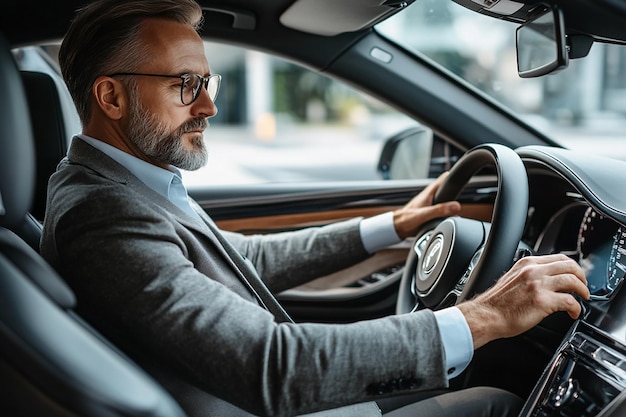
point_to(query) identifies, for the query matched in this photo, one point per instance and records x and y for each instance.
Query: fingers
(448, 209)
(425, 197)
(556, 294)
(559, 272)
(567, 283)
(432, 188)
(567, 303)
(564, 278)
(420, 210)
(408, 220)
(440, 179)
(534, 288)
(546, 259)
(440, 210)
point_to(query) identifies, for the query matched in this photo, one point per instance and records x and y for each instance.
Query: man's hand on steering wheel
(534, 288)
(408, 219)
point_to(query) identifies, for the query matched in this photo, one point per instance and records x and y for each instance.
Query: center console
(584, 378)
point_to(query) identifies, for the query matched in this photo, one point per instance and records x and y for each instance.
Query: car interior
(522, 193)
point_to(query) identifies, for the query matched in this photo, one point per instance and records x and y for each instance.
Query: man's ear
(110, 96)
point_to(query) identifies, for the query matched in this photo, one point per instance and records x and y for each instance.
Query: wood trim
(278, 222)
(262, 224)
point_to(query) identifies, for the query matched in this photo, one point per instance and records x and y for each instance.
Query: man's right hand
(534, 288)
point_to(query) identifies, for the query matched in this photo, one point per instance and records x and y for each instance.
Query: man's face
(156, 139)
(159, 125)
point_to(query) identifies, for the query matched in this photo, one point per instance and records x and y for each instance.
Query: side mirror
(541, 45)
(416, 153)
(407, 154)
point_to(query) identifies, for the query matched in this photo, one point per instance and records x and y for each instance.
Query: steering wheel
(454, 258)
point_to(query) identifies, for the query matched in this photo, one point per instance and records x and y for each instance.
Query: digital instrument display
(602, 253)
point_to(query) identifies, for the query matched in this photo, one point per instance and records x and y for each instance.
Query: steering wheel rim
(499, 243)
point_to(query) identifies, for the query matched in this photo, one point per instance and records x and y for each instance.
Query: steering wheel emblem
(433, 255)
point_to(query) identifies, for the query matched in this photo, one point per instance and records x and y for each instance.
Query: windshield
(581, 107)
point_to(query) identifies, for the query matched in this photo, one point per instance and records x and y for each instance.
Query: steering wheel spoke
(460, 286)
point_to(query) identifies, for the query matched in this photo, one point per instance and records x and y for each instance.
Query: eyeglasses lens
(213, 86)
(193, 83)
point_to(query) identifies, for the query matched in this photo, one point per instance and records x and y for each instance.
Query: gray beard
(152, 137)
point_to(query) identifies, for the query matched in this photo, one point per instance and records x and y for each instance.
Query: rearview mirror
(541, 47)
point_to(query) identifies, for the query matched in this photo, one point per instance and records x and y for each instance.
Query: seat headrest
(49, 131)
(17, 158)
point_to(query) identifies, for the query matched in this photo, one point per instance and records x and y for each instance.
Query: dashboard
(576, 207)
(600, 249)
(594, 240)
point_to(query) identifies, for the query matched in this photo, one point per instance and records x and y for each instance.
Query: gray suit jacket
(158, 282)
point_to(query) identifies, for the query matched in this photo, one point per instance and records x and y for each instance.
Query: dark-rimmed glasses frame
(191, 84)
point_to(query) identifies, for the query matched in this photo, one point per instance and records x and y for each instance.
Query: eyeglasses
(191, 84)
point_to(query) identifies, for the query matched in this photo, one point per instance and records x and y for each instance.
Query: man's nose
(203, 106)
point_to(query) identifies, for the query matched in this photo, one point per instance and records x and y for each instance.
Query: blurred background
(279, 122)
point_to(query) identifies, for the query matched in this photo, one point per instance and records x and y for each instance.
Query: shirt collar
(159, 179)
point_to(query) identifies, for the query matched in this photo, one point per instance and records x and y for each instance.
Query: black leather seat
(51, 137)
(50, 132)
(51, 363)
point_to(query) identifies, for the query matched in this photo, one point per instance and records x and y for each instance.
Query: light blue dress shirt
(377, 232)
(167, 182)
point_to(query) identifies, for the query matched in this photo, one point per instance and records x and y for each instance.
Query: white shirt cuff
(378, 232)
(458, 345)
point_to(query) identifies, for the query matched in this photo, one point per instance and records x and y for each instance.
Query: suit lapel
(82, 153)
(245, 269)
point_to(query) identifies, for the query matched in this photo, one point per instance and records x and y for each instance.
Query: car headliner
(45, 20)
(601, 19)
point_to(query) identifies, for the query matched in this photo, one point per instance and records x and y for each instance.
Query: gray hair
(104, 38)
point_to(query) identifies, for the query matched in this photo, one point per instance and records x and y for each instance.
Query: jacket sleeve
(288, 259)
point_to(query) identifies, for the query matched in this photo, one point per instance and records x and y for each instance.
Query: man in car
(193, 304)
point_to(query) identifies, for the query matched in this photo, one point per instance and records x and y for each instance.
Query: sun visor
(332, 17)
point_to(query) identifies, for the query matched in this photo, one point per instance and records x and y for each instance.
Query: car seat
(50, 138)
(51, 363)
(50, 133)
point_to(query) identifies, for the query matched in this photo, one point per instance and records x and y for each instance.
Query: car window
(581, 107)
(277, 122)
